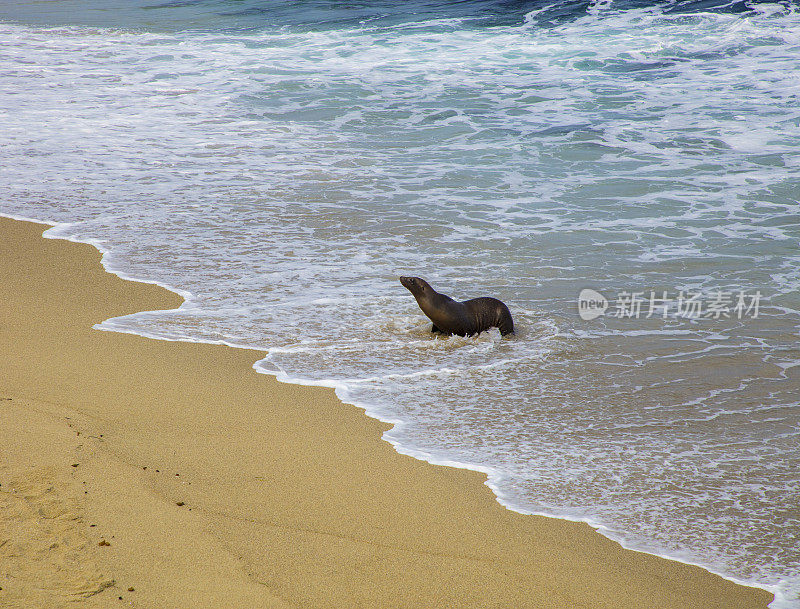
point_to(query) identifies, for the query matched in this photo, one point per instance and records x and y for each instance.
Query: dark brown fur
(462, 318)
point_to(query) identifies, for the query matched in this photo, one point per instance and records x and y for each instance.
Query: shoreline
(615, 536)
(639, 577)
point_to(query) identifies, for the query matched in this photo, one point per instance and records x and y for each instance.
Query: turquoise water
(284, 163)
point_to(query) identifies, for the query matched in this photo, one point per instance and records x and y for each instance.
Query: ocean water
(282, 163)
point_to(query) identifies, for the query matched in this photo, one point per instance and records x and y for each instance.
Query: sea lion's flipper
(436, 330)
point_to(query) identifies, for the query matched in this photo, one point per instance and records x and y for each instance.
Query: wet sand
(172, 474)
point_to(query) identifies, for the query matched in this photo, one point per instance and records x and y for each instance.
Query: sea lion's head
(417, 286)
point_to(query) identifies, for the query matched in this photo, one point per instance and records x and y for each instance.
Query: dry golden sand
(215, 486)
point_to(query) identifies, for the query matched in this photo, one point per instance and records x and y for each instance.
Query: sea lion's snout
(408, 282)
(415, 285)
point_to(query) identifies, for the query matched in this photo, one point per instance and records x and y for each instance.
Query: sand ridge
(49, 554)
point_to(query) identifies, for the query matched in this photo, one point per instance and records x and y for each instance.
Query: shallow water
(284, 166)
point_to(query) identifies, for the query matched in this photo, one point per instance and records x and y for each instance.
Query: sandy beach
(153, 474)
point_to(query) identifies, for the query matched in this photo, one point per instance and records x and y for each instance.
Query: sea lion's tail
(506, 324)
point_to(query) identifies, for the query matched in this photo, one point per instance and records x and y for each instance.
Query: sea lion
(461, 318)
